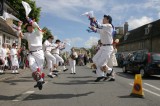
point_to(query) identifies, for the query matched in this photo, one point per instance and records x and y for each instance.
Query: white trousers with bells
(36, 60)
(50, 59)
(101, 58)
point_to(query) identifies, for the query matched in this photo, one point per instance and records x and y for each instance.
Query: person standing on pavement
(72, 61)
(103, 55)
(14, 59)
(3, 57)
(51, 60)
(36, 55)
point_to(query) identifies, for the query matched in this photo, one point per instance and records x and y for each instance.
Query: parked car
(144, 63)
(120, 59)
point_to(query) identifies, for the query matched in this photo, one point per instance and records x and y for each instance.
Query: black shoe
(71, 73)
(112, 79)
(55, 74)
(94, 71)
(65, 70)
(35, 86)
(43, 82)
(40, 85)
(108, 74)
(105, 78)
(50, 76)
(98, 79)
(56, 71)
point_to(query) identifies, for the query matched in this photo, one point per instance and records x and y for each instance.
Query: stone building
(146, 37)
(7, 34)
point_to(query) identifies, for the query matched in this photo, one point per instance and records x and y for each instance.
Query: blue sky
(63, 17)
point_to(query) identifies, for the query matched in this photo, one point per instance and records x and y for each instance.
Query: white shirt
(56, 49)
(34, 40)
(13, 52)
(106, 33)
(47, 46)
(3, 53)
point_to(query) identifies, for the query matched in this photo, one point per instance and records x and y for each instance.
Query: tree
(17, 5)
(47, 32)
(35, 13)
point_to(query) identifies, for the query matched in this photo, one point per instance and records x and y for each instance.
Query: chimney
(125, 28)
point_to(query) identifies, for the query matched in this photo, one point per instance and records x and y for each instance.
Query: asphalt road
(78, 90)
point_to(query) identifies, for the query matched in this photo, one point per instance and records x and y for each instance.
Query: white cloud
(159, 15)
(73, 41)
(93, 40)
(134, 22)
(69, 9)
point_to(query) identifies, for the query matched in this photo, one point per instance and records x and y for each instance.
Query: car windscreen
(156, 57)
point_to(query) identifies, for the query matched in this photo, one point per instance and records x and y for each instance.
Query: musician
(72, 61)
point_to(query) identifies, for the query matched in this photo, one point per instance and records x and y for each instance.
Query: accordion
(73, 57)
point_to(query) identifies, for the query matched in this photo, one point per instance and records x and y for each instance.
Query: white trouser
(59, 59)
(36, 60)
(101, 58)
(50, 59)
(72, 64)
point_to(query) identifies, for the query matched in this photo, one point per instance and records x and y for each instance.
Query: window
(139, 56)
(146, 31)
(8, 40)
(126, 36)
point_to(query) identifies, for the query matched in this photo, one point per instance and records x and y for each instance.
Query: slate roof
(139, 33)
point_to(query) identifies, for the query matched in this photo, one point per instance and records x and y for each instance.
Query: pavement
(77, 90)
(8, 74)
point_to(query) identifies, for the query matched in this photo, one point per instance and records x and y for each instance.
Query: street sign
(1, 7)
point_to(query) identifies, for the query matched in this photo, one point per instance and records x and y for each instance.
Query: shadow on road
(82, 77)
(14, 82)
(128, 96)
(79, 82)
(5, 98)
(54, 96)
(125, 75)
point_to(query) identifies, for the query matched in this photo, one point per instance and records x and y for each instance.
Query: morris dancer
(103, 55)
(56, 52)
(36, 54)
(51, 60)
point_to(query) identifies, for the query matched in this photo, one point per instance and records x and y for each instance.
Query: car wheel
(124, 69)
(142, 72)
